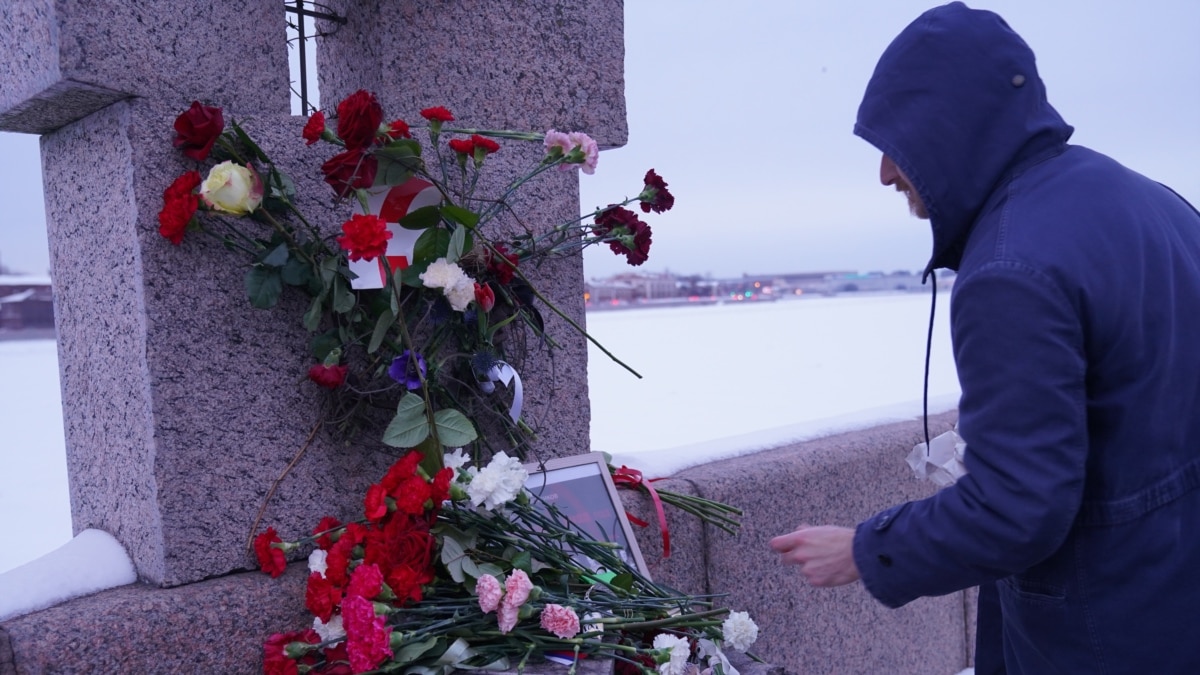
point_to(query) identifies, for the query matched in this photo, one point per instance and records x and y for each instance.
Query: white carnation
(739, 630)
(680, 651)
(461, 293)
(330, 631)
(497, 483)
(441, 274)
(316, 562)
(455, 460)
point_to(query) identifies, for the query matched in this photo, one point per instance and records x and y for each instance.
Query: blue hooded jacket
(1075, 321)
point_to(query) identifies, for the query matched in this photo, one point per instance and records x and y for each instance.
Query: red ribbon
(632, 478)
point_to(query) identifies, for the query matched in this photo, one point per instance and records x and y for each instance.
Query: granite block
(61, 60)
(685, 568)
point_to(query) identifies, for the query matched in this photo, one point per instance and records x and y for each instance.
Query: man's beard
(915, 205)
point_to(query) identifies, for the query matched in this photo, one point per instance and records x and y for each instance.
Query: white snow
(91, 562)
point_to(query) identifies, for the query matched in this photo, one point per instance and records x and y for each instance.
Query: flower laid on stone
(740, 631)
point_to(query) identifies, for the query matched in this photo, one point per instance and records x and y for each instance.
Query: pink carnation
(562, 621)
(507, 617)
(587, 152)
(366, 582)
(489, 592)
(591, 151)
(517, 588)
(368, 637)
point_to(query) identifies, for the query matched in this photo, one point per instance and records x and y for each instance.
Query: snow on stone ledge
(91, 562)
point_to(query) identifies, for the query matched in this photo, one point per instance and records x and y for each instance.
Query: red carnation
(270, 558)
(365, 238)
(437, 113)
(463, 146)
(314, 127)
(179, 206)
(655, 196)
(321, 596)
(403, 468)
(625, 234)
(398, 129)
(349, 171)
(358, 118)
(330, 377)
(375, 503)
(489, 146)
(365, 582)
(197, 129)
(326, 540)
(440, 486)
(275, 658)
(502, 263)
(368, 637)
(411, 495)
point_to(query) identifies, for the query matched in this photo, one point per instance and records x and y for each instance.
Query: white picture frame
(582, 489)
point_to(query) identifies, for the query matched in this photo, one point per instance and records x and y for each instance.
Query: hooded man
(1075, 320)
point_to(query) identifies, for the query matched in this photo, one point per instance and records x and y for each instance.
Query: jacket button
(885, 560)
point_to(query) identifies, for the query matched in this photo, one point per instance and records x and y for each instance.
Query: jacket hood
(956, 102)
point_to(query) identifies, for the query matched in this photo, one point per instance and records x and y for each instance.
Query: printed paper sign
(391, 204)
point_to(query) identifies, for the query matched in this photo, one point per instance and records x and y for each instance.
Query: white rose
(232, 188)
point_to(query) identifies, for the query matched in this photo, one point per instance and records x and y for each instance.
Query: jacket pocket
(1028, 589)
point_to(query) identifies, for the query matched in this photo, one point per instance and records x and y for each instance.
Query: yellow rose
(232, 188)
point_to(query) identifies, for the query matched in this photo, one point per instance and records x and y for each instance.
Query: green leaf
(329, 268)
(623, 581)
(321, 345)
(422, 218)
(523, 561)
(460, 242)
(411, 275)
(414, 650)
(343, 297)
(249, 143)
(453, 555)
(431, 245)
(409, 427)
(391, 172)
(460, 215)
(454, 430)
(312, 318)
(296, 272)
(490, 568)
(277, 257)
(400, 149)
(263, 285)
(381, 329)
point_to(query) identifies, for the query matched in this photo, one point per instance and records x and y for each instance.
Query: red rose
(655, 196)
(463, 146)
(350, 170)
(197, 129)
(365, 237)
(625, 233)
(375, 504)
(398, 129)
(321, 596)
(179, 206)
(485, 297)
(314, 127)
(326, 540)
(270, 558)
(502, 263)
(330, 377)
(438, 114)
(358, 119)
(489, 146)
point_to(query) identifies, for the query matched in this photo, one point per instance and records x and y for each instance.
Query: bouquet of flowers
(410, 303)
(466, 570)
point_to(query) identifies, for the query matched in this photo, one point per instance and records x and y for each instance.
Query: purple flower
(402, 372)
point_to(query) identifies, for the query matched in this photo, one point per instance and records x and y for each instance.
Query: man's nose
(888, 173)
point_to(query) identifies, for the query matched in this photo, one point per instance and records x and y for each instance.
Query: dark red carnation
(275, 659)
(364, 237)
(437, 113)
(326, 540)
(463, 146)
(358, 118)
(655, 196)
(314, 127)
(406, 582)
(179, 206)
(337, 564)
(489, 146)
(270, 558)
(440, 487)
(321, 596)
(624, 233)
(349, 171)
(337, 661)
(375, 503)
(411, 495)
(502, 263)
(401, 469)
(197, 129)
(330, 377)
(398, 129)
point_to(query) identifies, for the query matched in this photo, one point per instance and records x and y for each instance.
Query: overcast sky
(746, 109)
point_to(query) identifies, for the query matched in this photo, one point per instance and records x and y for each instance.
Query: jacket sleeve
(1019, 349)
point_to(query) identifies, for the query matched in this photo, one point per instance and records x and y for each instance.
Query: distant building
(26, 302)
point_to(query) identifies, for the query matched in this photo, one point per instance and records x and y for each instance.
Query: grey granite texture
(61, 60)
(500, 64)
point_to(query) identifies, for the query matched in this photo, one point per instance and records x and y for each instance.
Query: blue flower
(402, 372)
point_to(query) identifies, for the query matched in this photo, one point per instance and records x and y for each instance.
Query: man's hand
(825, 554)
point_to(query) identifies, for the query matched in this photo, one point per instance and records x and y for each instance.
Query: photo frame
(582, 489)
